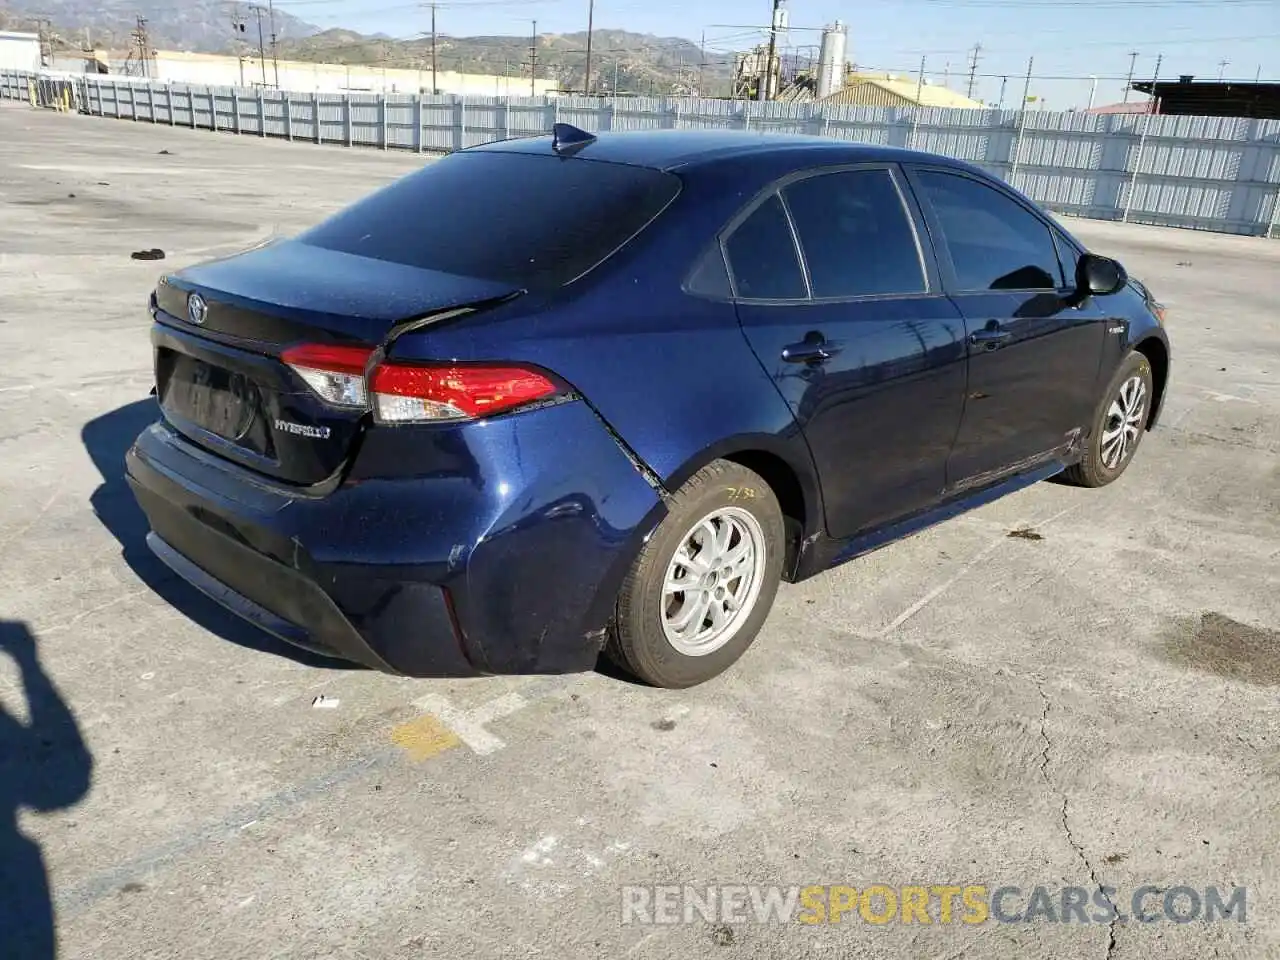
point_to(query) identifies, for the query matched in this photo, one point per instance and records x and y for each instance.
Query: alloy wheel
(713, 581)
(1124, 421)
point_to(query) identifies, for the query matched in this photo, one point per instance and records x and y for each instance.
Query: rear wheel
(1118, 425)
(704, 583)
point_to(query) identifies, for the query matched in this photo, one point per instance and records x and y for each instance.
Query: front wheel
(1118, 425)
(704, 583)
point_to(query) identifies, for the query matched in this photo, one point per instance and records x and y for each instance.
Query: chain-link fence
(1207, 173)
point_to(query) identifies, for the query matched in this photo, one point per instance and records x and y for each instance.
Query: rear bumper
(493, 565)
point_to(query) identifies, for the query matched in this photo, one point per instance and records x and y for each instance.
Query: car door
(1033, 349)
(838, 294)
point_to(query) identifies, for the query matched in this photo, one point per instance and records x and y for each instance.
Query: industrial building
(217, 70)
(1188, 96)
(19, 51)
(833, 80)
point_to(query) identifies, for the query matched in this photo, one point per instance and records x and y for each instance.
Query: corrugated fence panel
(1217, 173)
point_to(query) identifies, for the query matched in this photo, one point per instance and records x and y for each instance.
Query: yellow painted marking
(424, 738)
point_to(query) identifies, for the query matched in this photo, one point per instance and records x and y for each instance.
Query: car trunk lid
(222, 327)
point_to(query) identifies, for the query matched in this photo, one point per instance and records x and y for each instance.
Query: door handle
(990, 337)
(815, 348)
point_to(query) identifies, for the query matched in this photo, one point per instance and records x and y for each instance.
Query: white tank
(831, 59)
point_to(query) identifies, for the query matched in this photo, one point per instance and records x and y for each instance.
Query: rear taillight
(335, 373)
(405, 393)
(416, 393)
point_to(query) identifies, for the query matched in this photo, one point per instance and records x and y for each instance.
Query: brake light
(335, 373)
(415, 393)
(403, 393)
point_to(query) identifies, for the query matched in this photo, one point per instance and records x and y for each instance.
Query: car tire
(679, 638)
(1125, 407)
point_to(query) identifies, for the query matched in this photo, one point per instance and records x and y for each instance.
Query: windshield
(531, 221)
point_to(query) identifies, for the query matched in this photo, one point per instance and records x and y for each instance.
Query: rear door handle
(814, 348)
(990, 337)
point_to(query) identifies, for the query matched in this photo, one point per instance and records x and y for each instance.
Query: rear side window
(855, 234)
(532, 221)
(762, 256)
(995, 242)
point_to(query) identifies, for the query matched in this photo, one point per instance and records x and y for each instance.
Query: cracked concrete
(1095, 707)
(1066, 825)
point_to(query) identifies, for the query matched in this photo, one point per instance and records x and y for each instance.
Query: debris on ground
(165, 153)
(1184, 263)
(325, 703)
(1025, 533)
(665, 724)
(155, 253)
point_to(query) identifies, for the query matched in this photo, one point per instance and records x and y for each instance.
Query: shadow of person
(106, 439)
(44, 766)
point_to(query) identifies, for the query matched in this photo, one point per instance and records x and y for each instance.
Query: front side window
(995, 243)
(856, 235)
(762, 256)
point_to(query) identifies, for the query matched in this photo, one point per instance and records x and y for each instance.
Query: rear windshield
(533, 221)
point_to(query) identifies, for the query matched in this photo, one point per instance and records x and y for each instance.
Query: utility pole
(144, 45)
(1142, 141)
(1022, 123)
(973, 68)
(766, 85)
(1133, 59)
(1003, 81)
(262, 50)
(591, 17)
(915, 120)
(533, 61)
(1222, 65)
(435, 84)
(1093, 91)
(275, 59)
(615, 77)
(702, 65)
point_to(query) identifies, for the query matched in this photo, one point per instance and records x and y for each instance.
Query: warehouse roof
(925, 95)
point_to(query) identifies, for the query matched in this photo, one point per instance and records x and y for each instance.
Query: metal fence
(1208, 173)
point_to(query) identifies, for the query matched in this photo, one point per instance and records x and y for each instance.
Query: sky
(1070, 40)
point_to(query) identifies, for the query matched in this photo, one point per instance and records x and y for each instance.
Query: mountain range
(635, 62)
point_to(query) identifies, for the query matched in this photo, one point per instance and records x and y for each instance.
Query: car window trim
(945, 262)
(914, 214)
(737, 220)
(795, 241)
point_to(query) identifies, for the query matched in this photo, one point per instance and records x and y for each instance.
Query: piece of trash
(1026, 533)
(71, 196)
(165, 153)
(103, 183)
(155, 253)
(148, 676)
(325, 703)
(1184, 263)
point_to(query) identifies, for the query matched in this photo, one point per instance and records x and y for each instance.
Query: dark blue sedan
(570, 394)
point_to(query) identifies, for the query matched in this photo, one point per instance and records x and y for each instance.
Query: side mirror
(1098, 276)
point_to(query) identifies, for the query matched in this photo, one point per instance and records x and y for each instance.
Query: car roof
(672, 149)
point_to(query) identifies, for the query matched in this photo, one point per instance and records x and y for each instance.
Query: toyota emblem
(197, 309)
